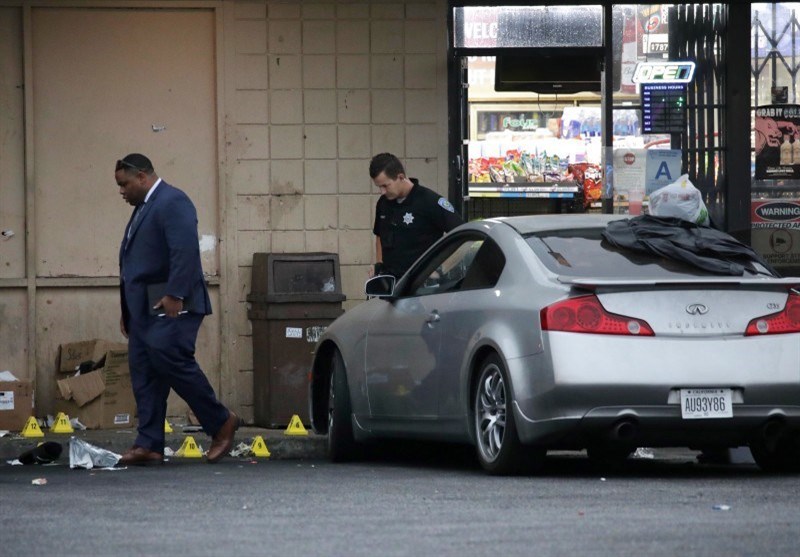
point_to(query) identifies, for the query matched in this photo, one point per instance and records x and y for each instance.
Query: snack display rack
(531, 166)
(548, 169)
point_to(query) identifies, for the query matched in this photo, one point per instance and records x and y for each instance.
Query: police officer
(408, 218)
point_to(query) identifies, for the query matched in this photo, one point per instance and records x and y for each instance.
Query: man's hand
(171, 306)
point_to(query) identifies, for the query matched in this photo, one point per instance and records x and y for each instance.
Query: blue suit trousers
(161, 357)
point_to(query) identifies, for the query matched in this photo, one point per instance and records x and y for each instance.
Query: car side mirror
(381, 286)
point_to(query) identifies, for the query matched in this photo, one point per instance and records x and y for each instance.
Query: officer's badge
(446, 205)
(408, 218)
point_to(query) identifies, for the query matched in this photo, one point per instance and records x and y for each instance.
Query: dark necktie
(135, 218)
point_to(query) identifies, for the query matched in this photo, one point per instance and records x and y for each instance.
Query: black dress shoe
(139, 456)
(222, 442)
(42, 454)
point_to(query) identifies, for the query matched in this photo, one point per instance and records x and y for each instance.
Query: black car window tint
(445, 270)
(420, 277)
(584, 253)
(486, 268)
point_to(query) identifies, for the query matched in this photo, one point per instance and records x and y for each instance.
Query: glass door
(538, 139)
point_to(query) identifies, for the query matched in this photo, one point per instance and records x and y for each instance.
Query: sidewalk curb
(280, 445)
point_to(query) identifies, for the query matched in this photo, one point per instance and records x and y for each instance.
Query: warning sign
(775, 213)
(776, 230)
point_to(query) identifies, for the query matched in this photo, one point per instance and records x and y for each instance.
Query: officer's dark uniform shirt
(407, 229)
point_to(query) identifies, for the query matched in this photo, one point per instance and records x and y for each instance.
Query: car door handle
(433, 317)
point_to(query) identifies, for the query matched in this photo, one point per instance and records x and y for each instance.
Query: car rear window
(584, 253)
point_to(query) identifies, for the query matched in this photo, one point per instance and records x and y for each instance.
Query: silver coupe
(521, 335)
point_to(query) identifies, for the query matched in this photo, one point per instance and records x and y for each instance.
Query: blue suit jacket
(162, 247)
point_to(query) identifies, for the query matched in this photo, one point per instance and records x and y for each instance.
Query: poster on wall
(653, 24)
(777, 142)
(776, 231)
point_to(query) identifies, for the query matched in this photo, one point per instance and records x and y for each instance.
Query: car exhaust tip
(771, 433)
(624, 430)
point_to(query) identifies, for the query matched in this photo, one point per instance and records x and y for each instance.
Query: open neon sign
(663, 72)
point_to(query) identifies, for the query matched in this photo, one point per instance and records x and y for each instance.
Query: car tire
(782, 457)
(341, 445)
(495, 433)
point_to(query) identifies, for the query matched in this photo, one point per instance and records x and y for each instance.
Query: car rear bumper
(654, 426)
(583, 386)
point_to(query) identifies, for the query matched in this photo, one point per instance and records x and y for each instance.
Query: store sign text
(478, 30)
(778, 112)
(519, 124)
(480, 27)
(780, 211)
(663, 72)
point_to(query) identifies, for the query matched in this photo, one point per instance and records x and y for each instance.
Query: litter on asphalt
(86, 455)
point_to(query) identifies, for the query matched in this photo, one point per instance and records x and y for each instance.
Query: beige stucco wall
(307, 92)
(317, 88)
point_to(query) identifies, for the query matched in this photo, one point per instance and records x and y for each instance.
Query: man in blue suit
(164, 300)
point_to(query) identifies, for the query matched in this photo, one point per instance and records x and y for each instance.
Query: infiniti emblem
(696, 309)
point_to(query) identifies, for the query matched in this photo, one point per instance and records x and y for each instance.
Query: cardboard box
(16, 404)
(100, 399)
(71, 355)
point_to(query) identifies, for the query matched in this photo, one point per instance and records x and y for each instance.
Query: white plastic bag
(680, 199)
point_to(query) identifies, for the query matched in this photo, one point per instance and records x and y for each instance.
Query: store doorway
(551, 120)
(530, 97)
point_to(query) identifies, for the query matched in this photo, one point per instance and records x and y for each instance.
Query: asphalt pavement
(279, 445)
(422, 500)
(282, 446)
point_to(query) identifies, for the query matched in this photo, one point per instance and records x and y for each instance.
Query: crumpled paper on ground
(242, 449)
(86, 455)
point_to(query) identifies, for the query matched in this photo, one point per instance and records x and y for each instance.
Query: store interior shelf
(556, 190)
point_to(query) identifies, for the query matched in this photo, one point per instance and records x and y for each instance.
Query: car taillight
(586, 314)
(785, 321)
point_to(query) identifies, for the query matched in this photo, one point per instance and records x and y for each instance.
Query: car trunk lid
(714, 307)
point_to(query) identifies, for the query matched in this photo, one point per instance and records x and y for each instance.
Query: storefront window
(534, 117)
(775, 204)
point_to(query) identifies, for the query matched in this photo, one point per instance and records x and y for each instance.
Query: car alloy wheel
(498, 446)
(331, 401)
(490, 412)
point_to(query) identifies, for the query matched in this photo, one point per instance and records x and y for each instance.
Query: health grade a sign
(650, 169)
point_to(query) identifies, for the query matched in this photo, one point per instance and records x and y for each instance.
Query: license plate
(706, 403)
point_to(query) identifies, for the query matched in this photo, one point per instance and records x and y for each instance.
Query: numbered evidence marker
(167, 427)
(295, 427)
(189, 449)
(259, 448)
(32, 428)
(61, 424)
